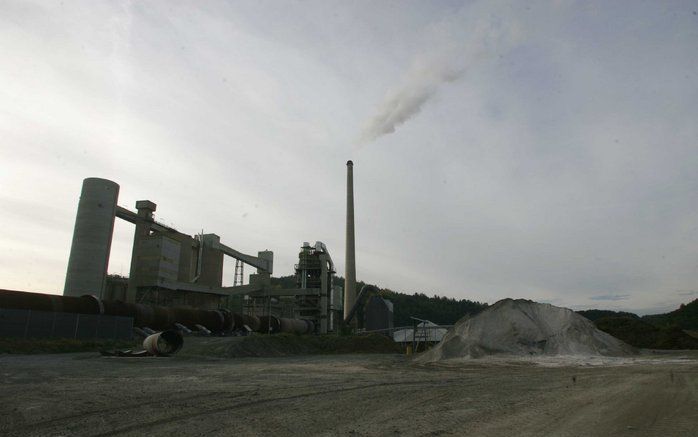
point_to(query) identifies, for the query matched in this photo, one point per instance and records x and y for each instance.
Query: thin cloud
(611, 297)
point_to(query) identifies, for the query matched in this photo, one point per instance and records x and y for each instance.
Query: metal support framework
(264, 264)
(423, 334)
(363, 294)
(239, 276)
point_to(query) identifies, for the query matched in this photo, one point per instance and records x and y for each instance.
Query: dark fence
(44, 324)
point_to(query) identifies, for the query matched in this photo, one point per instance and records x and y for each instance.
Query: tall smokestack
(350, 260)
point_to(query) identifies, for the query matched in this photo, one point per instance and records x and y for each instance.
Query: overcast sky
(546, 150)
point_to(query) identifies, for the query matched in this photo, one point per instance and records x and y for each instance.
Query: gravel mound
(524, 328)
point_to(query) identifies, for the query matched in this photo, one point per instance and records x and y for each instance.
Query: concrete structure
(172, 269)
(167, 266)
(350, 260)
(315, 299)
(116, 287)
(315, 271)
(378, 314)
(94, 226)
(145, 212)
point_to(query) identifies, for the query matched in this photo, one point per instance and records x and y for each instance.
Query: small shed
(427, 332)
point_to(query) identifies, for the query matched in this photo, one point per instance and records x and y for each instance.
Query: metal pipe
(296, 326)
(22, 300)
(269, 325)
(152, 316)
(199, 256)
(364, 292)
(163, 344)
(202, 329)
(183, 329)
(245, 321)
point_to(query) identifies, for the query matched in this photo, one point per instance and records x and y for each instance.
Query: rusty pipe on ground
(163, 344)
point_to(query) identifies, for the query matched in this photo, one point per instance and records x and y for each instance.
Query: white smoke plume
(403, 103)
(428, 73)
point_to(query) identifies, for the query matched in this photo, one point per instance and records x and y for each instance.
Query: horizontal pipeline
(154, 316)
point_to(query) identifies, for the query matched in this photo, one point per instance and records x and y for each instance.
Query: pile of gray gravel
(524, 328)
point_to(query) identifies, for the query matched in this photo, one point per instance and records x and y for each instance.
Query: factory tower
(350, 258)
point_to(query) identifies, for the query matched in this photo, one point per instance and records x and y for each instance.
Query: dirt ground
(363, 395)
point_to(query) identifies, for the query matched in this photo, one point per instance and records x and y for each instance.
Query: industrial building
(378, 314)
(314, 299)
(176, 281)
(173, 269)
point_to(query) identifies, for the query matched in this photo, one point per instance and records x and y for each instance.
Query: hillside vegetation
(438, 309)
(685, 317)
(595, 315)
(657, 331)
(640, 333)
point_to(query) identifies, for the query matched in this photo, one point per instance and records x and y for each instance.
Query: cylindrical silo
(350, 264)
(94, 226)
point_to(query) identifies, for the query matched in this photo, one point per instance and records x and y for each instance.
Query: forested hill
(685, 317)
(673, 330)
(440, 310)
(595, 315)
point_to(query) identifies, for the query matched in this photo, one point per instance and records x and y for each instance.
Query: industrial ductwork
(154, 316)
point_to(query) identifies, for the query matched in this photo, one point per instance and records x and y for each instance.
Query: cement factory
(176, 281)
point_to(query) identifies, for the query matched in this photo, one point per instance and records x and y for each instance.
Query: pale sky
(546, 150)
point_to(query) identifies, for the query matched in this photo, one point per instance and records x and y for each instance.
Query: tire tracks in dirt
(142, 427)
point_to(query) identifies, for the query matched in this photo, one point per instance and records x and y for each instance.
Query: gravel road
(362, 395)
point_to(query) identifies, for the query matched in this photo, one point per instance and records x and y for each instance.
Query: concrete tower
(350, 258)
(94, 225)
(145, 209)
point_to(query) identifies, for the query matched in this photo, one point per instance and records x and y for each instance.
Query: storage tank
(94, 226)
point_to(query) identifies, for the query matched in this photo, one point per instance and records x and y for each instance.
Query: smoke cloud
(406, 101)
(428, 73)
